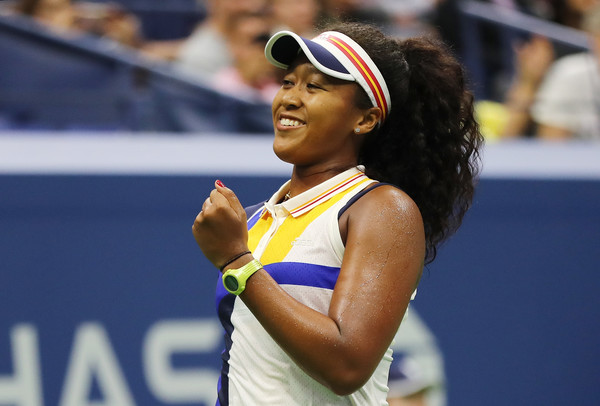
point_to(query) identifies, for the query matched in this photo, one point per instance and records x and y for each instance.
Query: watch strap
(234, 280)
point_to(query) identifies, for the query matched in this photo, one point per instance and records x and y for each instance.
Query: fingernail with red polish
(218, 182)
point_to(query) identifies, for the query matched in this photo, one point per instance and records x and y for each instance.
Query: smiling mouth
(286, 122)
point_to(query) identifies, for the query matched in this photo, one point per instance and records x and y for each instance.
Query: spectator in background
(408, 18)
(206, 51)
(250, 74)
(556, 99)
(567, 104)
(446, 18)
(532, 59)
(363, 11)
(58, 15)
(299, 16)
(104, 20)
(109, 20)
(572, 12)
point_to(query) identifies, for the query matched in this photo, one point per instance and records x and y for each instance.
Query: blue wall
(101, 282)
(513, 297)
(116, 251)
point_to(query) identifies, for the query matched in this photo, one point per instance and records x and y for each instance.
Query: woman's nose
(291, 97)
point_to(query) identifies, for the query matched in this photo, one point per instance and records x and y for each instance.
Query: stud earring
(357, 130)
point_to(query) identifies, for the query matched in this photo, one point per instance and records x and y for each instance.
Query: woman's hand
(220, 228)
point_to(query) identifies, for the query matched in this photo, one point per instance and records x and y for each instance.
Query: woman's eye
(313, 86)
(287, 83)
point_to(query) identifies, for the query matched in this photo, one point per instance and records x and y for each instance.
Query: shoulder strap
(250, 210)
(359, 195)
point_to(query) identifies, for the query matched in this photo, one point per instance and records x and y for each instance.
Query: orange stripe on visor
(365, 71)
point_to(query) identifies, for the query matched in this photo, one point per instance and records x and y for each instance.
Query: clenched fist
(221, 229)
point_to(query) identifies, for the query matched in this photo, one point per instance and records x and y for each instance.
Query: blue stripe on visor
(285, 50)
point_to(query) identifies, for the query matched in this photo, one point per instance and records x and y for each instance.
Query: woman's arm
(381, 267)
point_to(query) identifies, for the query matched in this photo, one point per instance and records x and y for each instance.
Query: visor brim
(283, 48)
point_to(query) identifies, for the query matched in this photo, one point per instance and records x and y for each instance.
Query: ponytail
(439, 113)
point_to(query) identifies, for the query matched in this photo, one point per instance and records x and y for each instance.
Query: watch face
(231, 283)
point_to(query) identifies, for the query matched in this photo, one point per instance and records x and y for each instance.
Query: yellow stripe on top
(292, 228)
(260, 228)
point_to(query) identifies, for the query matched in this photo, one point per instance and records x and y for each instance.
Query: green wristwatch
(234, 280)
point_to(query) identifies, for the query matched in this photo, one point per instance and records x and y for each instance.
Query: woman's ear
(369, 120)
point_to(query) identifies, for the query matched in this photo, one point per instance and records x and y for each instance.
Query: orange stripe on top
(362, 66)
(327, 193)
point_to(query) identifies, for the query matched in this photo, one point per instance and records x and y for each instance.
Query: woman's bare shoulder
(386, 202)
(384, 211)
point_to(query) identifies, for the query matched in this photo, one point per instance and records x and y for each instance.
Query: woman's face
(314, 116)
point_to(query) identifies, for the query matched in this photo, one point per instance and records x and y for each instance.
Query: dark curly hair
(428, 145)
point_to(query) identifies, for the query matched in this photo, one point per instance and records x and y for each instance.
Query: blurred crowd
(549, 93)
(554, 96)
(72, 17)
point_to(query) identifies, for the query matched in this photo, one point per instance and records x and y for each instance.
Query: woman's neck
(305, 178)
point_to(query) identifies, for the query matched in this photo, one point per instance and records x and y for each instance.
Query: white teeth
(289, 123)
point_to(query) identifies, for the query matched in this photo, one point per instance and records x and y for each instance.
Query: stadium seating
(49, 81)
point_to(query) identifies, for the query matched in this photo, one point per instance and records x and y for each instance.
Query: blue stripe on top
(294, 273)
(299, 273)
(252, 213)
